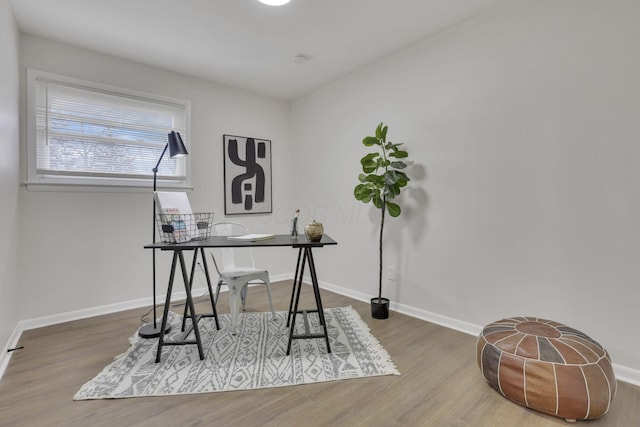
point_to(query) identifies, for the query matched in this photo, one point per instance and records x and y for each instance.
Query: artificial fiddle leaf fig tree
(382, 180)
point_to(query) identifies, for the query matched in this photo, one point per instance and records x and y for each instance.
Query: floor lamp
(176, 149)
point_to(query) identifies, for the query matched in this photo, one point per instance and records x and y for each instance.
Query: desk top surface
(223, 242)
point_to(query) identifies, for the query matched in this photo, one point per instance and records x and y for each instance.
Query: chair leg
(234, 303)
(218, 290)
(243, 296)
(273, 312)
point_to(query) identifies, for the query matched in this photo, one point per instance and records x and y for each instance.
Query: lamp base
(149, 331)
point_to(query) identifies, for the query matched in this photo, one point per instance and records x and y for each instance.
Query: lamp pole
(176, 149)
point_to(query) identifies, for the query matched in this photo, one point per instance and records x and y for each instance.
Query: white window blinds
(91, 134)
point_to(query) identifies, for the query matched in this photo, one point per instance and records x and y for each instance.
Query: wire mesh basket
(179, 228)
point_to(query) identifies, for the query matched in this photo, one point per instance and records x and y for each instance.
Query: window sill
(104, 188)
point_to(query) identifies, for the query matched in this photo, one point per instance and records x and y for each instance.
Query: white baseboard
(623, 373)
(6, 354)
(54, 319)
(627, 375)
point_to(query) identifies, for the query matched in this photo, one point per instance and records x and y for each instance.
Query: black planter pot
(380, 308)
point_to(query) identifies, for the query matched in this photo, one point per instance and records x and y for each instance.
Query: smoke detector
(300, 58)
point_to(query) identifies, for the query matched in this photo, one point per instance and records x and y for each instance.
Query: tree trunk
(381, 230)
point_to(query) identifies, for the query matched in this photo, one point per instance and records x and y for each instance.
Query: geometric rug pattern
(253, 358)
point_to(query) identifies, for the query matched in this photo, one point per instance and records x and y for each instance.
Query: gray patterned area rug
(254, 358)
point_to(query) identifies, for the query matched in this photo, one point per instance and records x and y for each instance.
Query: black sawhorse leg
(214, 312)
(296, 286)
(307, 256)
(178, 256)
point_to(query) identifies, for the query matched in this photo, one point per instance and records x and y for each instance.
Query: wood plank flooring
(440, 383)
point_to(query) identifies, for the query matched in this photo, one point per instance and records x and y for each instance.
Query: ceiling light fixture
(274, 2)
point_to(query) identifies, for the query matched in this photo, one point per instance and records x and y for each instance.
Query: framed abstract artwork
(247, 175)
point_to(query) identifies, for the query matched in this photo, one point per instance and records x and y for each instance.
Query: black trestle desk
(305, 257)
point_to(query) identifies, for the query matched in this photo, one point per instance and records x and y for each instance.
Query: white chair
(236, 269)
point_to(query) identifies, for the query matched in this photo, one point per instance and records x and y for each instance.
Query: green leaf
(401, 179)
(379, 131)
(395, 176)
(392, 191)
(399, 154)
(377, 180)
(401, 175)
(393, 147)
(362, 177)
(362, 193)
(369, 167)
(369, 156)
(393, 209)
(370, 141)
(398, 165)
(384, 133)
(377, 201)
(368, 163)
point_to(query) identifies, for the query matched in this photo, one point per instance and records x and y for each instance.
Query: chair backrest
(230, 258)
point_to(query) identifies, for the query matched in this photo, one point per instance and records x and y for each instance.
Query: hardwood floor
(440, 383)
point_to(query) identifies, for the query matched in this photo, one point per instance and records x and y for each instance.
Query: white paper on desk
(173, 200)
(251, 237)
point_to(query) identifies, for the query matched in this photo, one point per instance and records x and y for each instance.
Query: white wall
(85, 249)
(522, 124)
(9, 174)
(524, 127)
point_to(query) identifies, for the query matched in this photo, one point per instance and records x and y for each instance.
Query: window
(82, 133)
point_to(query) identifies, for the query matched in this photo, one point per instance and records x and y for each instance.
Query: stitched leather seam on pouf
(547, 366)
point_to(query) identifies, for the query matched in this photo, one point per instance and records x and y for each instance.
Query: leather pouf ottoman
(547, 366)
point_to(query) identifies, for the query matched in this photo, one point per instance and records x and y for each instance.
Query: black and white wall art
(247, 175)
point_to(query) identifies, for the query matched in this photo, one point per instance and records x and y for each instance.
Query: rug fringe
(363, 326)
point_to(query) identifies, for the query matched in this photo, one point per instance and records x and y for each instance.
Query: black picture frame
(247, 175)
